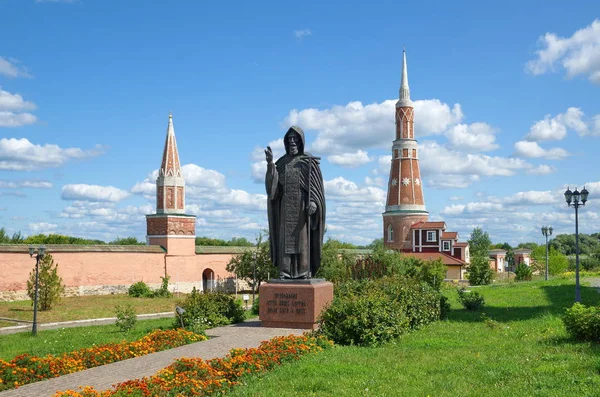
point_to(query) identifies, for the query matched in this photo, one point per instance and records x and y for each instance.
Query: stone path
(247, 334)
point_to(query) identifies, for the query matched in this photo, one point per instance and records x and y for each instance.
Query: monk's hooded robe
(292, 241)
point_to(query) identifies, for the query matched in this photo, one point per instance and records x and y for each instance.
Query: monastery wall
(103, 269)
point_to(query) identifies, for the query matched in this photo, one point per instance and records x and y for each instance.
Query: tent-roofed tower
(405, 201)
(170, 227)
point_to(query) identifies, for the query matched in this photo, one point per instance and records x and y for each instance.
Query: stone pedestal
(293, 303)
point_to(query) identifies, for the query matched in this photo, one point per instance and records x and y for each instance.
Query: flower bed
(26, 369)
(196, 377)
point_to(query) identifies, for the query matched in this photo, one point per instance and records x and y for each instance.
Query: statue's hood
(300, 132)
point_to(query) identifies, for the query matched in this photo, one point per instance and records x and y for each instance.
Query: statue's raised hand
(312, 208)
(269, 154)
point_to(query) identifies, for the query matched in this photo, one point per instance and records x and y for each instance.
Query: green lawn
(518, 348)
(68, 339)
(86, 307)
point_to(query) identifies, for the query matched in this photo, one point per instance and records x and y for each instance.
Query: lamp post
(547, 231)
(38, 255)
(576, 199)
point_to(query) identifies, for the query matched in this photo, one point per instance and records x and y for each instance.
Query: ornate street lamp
(38, 255)
(547, 231)
(576, 199)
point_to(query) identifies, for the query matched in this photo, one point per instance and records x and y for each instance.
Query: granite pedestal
(293, 303)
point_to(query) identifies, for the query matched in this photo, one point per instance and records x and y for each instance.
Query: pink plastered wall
(88, 269)
(85, 268)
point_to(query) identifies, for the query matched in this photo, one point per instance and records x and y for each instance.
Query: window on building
(390, 233)
(431, 235)
(445, 245)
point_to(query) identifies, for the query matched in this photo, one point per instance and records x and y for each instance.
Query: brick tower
(405, 202)
(170, 227)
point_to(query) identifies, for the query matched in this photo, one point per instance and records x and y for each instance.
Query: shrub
(479, 270)
(444, 307)
(163, 291)
(590, 263)
(523, 272)
(206, 310)
(139, 290)
(373, 312)
(471, 300)
(255, 306)
(583, 323)
(126, 317)
(50, 285)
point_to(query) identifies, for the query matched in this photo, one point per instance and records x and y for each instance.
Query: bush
(206, 310)
(523, 272)
(255, 306)
(139, 290)
(471, 300)
(583, 323)
(590, 263)
(373, 312)
(480, 272)
(444, 307)
(163, 291)
(126, 317)
(50, 285)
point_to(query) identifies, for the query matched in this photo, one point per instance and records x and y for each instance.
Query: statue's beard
(293, 149)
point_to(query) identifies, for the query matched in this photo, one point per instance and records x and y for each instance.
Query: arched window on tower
(390, 233)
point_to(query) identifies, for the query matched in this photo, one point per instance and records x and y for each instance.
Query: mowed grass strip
(66, 340)
(86, 307)
(516, 346)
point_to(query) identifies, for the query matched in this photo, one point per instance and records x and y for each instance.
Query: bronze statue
(296, 208)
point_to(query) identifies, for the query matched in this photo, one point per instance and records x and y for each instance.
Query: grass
(519, 347)
(86, 307)
(68, 339)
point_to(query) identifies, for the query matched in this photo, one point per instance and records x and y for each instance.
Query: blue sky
(506, 107)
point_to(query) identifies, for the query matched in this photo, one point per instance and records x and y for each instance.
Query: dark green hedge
(373, 312)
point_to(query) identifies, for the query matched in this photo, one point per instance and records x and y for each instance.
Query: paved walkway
(247, 334)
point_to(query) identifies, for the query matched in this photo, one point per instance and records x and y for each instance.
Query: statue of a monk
(296, 208)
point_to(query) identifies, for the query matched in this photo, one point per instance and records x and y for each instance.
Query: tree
(479, 243)
(242, 265)
(126, 241)
(50, 285)
(557, 261)
(480, 272)
(335, 266)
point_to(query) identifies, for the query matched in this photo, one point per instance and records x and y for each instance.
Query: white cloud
(479, 137)
(578, 54)
(455, 198)
(532, 198)
(22, 155)
(11, 68)
(10, 101)
(43, 227)
(434, 156)
(342, 189)
(34, 184)
(376, 181)
(300, 34)
(11, 119)
(432, 116)
(83, 192)
(533, 150)
(555, 128)
(595, 130)
(342, 129)
(350, 160)
(542, 169)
